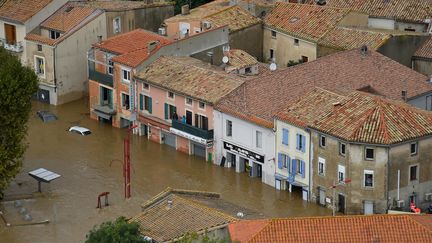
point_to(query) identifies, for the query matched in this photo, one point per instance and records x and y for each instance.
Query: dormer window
(54, 34)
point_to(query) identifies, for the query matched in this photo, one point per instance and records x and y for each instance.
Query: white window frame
(110, 67)
(273, 32)
(323, 162)
(117, 27)
(186, 101)
(340, 149)
(417, 173)
(364, 178)
(122, 75)
(365, 156)
(44, 66)
(199, 105)
(55, 33)
(121, 100)
(258, 142)
(320, 141)
(341, 170)
(416, 149)
(285, 161)
(296, 42)
(143, 87)
(168, 95)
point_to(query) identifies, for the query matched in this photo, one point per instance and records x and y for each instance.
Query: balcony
(15, 47)
(102, 78)
(206, 134)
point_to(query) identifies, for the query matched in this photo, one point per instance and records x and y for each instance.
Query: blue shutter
(166, 111)
(304, 144)
(285, 136)
(288, 162)
(149, 105)
(279, 160)
(293, 166)
(303, 169)
(298, 141)
(141, 101)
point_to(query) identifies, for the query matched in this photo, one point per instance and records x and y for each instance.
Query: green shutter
(141, 100)
(166, 112)
(110, 98)
(149, 99)
(174, 109)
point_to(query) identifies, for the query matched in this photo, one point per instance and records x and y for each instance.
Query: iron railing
(206, 134)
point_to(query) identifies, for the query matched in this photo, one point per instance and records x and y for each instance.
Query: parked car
(46, 116)
(80, 130)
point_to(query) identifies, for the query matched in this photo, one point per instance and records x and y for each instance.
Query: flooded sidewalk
(90, 165)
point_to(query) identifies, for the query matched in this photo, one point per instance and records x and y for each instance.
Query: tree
(120, 231)
(17, 85)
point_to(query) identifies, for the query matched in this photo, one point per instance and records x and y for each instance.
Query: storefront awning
(281, 177)
(189, 136)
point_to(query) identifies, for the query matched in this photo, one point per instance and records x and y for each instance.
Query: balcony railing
(102, 78)
(206, 134)
(15, 47)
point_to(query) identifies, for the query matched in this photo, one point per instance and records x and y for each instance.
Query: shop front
(243, 160)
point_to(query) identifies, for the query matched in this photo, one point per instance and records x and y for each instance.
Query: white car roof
(79, 129)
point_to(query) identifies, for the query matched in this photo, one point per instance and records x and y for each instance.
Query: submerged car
(46, 116)
(80, 130)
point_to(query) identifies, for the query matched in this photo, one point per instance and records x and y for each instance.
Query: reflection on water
(91, 164)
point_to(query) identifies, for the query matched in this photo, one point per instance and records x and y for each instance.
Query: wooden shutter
(166, 112)
(293, 166)
(110, 98)
(303, 143)
(141, 101)
(10, 32)
(303, 171)
(150, 109)
(280, 161)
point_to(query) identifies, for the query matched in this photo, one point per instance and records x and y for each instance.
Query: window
(188, 118)
(117, 25)
(322, 141)
(296, 42)
(341, 173)
(284, 136)
(285, 161)
(201, 121)
(413, 172)
(170, 95)
(125, 101)
(229, 128)
(189, 101)
(146, 86)
(258, 139)
(145, 103)
(271, 54)
(40, 66)
(54, 34)
(201, 105)
(248, 70)
(39, 47)
(273, 34)
(304, 59)
(342, 149)
(301, 142)
(369, 153)
(299, 166)
(170, 112)
(413, 148)
(321, 166)
(125, 75)
(368, 178)
(110, 67)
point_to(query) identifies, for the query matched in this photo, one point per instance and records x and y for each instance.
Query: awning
(281, 177)
(296, 183)
(103, 115)
(189, 136)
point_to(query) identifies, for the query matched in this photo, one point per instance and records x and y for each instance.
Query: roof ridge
(219, 11)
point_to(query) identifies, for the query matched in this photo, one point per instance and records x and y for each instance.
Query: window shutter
(285, 136)
(196, 120)
(101, 96)
(288, 163)
(174, 109)
(205, 123)
(280, 161)
(293, 166)
(304, 144)
(110, 98)
(141, 100)
(298, 141)
(166, 111)
(149, 105)
(303, 172)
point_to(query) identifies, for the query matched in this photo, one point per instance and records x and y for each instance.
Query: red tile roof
(242, 231)
(347, 38)
(357, 228)
(21, 10)
(305, 21)
(239, 59)
(67, 18)
(132, 47)
(235, 17)
(367, 118)
(425, 50)
(258, 100)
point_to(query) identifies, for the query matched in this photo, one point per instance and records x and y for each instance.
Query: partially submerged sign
(43, 175)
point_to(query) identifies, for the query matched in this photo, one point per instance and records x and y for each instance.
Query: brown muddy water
(86, 169)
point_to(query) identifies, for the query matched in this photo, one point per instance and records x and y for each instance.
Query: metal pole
(334, 198)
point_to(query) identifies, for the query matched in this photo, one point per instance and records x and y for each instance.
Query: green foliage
(119, 231)
(191, 3)
(204, 238)
(293, 63)
(17, 85)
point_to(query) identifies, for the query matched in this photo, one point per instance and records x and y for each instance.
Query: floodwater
(89, 165)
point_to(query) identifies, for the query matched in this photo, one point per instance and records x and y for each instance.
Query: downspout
(388, 180)
(310, 164)
(54, 68)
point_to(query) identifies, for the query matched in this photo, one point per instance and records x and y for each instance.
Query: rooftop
(190, 77)
(235, 17)
(305, 21)
(239, 59)
(355, 228)
(367, 118)
(117, 5)
(21, 10)
(202, 11)
(425, 50)
(132, 47)
(259, 99)
(309, 107)
(173, 212)
(408, 10)
(347, 38)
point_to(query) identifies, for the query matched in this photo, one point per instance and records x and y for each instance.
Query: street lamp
(344, 181)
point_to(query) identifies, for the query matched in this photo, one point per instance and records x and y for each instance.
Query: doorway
(341, 203)
(321, 196)
(10, 32)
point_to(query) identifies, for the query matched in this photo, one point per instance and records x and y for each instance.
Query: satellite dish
(273, 66)
(225, 59)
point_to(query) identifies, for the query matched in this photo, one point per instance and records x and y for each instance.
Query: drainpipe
(398, 184)
(388, 179)
(54, 68)
(310, 164)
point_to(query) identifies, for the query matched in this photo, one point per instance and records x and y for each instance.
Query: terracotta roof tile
(235, 17)
(304, 21)
(425, 50)
(242, 231)
(202, 11)
(347, 39)
(21, 10)
(409, 10)
(190, 77)
(361, 228)
(67, 18)
(116, 5)
(343, 72)
(239, 59)
(40, 39)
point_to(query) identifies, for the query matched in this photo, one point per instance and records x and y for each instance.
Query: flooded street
(89, 165)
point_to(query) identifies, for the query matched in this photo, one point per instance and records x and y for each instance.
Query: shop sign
(244, 152)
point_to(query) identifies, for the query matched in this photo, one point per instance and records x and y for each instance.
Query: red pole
(127, 162)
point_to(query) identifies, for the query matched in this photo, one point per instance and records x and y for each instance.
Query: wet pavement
(89, 165)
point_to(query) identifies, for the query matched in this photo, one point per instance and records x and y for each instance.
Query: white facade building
(244, 146)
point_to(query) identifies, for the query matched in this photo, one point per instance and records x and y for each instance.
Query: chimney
(404, 95)
(185, 9)
(151, 46)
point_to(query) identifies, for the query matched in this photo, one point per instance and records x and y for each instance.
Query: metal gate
(199, 150)
(169, 139)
